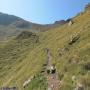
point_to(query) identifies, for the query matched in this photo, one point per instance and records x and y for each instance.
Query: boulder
(74, 39)
(70, 23)
(87, 66)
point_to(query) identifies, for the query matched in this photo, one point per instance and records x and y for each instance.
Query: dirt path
(53, 81)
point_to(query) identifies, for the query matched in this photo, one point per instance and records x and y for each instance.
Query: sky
(43, 11)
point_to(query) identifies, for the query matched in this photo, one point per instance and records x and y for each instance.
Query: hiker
(53, 69)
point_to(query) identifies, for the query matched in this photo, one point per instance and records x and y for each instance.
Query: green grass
(21, 59)
(38, 83)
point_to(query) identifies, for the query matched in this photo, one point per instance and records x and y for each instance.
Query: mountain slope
(11, 25)
(71, 59)
(22, 58)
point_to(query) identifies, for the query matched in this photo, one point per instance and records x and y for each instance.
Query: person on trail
(53, 69)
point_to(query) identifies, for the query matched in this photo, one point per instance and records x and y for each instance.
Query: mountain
(18, 22)
(60, 22)
(11, 25)
(23, 58)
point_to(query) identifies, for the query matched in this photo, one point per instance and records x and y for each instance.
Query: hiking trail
(52, 78)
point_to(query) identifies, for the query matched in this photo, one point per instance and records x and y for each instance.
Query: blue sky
(43, 11)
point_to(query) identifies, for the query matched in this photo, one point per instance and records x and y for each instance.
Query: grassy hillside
(22, 58)
(74, 57)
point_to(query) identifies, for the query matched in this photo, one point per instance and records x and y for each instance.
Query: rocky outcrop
(73, 39)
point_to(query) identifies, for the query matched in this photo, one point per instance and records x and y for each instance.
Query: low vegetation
(38, 83)
(23, 57)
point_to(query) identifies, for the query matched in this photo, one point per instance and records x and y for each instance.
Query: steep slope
(71, 60)
(24, 56)
(14, 59)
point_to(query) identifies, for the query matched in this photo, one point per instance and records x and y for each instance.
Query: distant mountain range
(11, 25)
